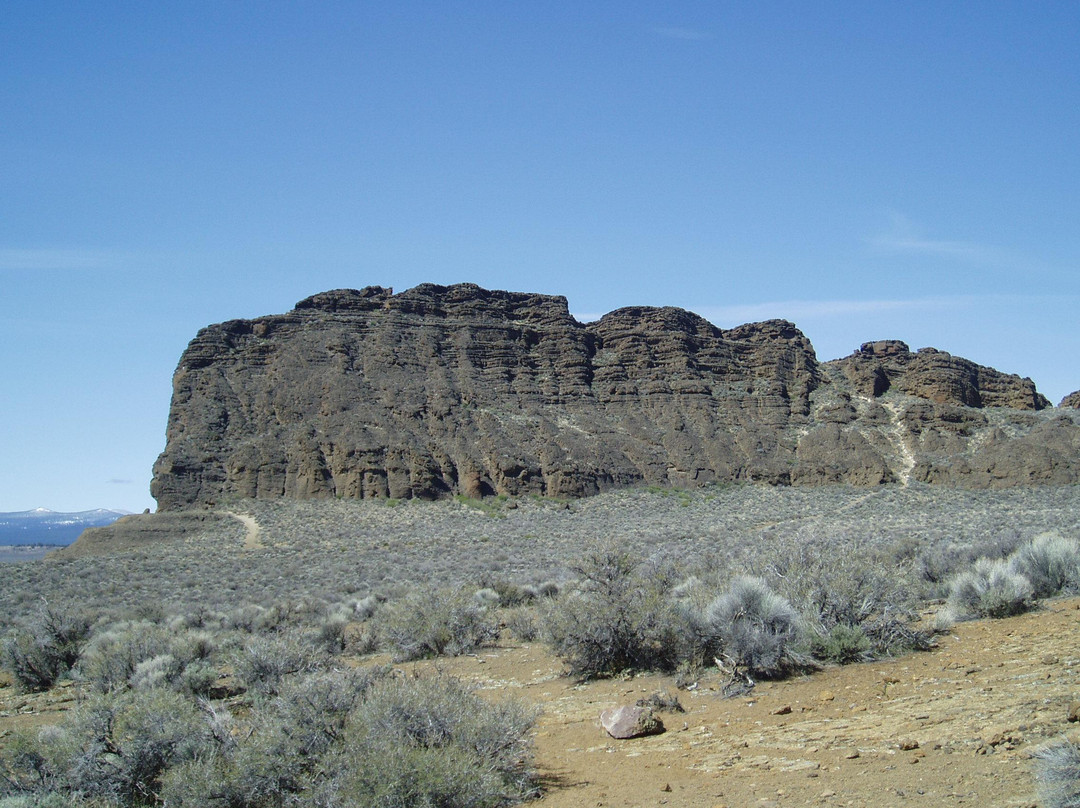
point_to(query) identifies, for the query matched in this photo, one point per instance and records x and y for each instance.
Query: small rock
(1001, 737)
(1050, 659)
(666, 788)
(908, 744)
(852, 755)
(785, 710)
(1074, 712)
(826, 695)
(630, 721)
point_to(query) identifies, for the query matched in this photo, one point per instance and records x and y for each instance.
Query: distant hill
(42, 526)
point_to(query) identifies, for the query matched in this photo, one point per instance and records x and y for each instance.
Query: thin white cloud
(117, 481)
(963, 250)
(686, 34)
(905, 237)
(55, 259)
(799, 310)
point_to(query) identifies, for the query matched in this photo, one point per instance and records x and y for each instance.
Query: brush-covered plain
(209, 653)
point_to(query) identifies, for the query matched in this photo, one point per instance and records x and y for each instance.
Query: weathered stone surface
(1072, 400)
(937, 376)
(457, 389)
(630, 721)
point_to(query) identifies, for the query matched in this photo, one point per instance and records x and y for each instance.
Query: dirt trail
(897, 434)
(252, 531)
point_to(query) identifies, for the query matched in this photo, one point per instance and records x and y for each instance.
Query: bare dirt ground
(953, 726)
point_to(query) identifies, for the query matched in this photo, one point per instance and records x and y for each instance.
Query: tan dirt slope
(954, 726)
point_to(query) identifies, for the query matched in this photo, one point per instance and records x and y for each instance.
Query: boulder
(630, 721)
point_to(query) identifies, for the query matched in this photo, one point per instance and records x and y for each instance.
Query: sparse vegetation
(431, 623)
(618, 617)
(990, 589)
(754, 628)
(767, 580)
(1057, 773)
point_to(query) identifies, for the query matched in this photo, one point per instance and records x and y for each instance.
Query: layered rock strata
(441, 390)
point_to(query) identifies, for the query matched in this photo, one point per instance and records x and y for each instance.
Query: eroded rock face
(1072, 401)
(878, 367)
(440, 390)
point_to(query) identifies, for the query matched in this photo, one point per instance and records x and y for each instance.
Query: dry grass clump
(1057, 774)
(1052, 563)
(754, 628)
(990, 589)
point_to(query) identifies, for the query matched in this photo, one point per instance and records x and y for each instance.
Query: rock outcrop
(878, 367)
(441, 390)
(1072, 401)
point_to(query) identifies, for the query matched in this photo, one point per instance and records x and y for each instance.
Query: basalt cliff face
(440, 390)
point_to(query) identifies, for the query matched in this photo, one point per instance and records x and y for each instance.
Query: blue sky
(869, 170)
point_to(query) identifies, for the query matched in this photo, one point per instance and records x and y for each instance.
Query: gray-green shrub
(990, 589)
(286, 746)
(1051, 562)
(110, 658)
(264, 662)
(1057, 774)
(523, 622)
(618, 616)
(428, 623)
(842, 645)
(363, 738)
(116, 747)
(421, 742)
(841, 581)
(38, 655)
(755, 628)
(53, 800)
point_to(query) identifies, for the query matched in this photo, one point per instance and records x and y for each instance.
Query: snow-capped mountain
(42, 526)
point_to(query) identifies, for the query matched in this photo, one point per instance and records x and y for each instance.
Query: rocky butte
(457, 389)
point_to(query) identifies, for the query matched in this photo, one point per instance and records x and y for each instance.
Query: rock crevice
(458, 389)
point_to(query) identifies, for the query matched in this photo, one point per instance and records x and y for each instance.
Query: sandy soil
(954, 726)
